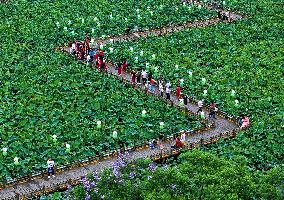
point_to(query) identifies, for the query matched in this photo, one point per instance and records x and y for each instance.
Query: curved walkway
(223, 127)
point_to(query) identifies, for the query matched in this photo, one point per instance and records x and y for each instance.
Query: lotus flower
(162, 125)
(54, 138)
(203, 80)
(65, 28)
(16, 161)
(93, 30)
(144, 113)
(114, 134)
(83, 21)
(125, 19)
(99, 124)
(153, 56)
(176, 66)
(111, 50)
(138, 16)
(5, 151)
(137, 10)
(69, 22)
(233, 93)
(96, 19)
(131, 49)
(68, 146)
(57, 23)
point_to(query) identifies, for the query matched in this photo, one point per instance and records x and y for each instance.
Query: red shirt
(124, 66)
(178, 143)
(178, 91)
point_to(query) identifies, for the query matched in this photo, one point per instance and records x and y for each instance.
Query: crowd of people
(142, 77)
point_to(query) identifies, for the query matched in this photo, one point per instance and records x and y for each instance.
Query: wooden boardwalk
(222, 124)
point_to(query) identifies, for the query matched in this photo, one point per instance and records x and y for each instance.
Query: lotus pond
(238, 65)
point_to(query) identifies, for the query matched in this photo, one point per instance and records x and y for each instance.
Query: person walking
(124, 67)
(244, 122)
(178, 91)
(161, 89)
(119, 69)
(185, 99)
(50, 168)
(168, 84)
(168, 93)
(178, 144)
(152, 86)
(144, 77)
(200, 105)
(138, 77)
(133, 77)
(183, 138)
(212, 111)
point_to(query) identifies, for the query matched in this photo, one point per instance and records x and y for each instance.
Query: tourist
(50, 168)
(168, 84)
(161, 89)
(144, 77)
(138, 77)
(185, 99)
(133, 77)
(124, 67)
(178, 91)
(200, 105)
(168, 93)
(152, 85)
(178, 144)
(183, 138)
(244, 122)
(160, 81)
(212, 111)
(119, 69)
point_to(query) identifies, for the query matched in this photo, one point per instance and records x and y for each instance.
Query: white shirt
(161, 88)
(200, 104)
(50, 163)
(144, 74)
(182, 137)
(168, 90)
(168, 85)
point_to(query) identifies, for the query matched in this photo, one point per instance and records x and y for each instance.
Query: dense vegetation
(45, 93)
(241, 62)
(198, 175)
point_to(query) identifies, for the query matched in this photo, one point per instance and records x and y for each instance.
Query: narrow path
(222, 128)
(233, 16)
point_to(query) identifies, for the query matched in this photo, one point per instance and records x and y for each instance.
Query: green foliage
(199, 175)
(45, 93)
(244, 56)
